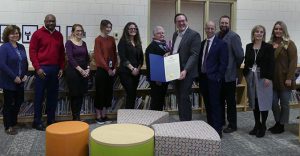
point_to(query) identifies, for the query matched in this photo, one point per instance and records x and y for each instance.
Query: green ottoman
(122, 140)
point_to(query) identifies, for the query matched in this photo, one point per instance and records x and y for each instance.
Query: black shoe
(261, 131)
(278, 130)
(100, 121)
(253, 131)
(11, 131)
(229, 130)
(39, 127)
(274, 127)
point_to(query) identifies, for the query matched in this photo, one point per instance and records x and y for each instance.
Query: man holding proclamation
(186, 42)
(213, 61)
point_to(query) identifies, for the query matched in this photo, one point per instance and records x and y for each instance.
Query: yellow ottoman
(122, 140)
(69, 138)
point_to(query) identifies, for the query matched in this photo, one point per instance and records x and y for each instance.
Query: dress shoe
(253, 131)
(229, 130)
(39, 127)
(11, 131)
(274, 127)
(279, 129)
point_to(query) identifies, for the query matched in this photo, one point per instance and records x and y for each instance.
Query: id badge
(110, 64)
(253, 69)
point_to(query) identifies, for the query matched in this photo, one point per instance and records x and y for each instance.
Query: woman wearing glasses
(131, 57)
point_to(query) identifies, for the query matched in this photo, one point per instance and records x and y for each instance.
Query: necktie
(203, 67)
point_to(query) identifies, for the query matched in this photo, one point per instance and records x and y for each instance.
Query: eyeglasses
(133, 29)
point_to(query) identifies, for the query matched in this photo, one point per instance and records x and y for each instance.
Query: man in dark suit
(213, 61)
(186, 42)
(235, 59)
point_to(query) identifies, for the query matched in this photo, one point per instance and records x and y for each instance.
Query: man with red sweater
(47, 54)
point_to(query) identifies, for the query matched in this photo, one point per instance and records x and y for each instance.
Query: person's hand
(87, 72)
(110, 72)
(167, 54)
(113, 72)
(60, 73)
(267, 83)
(135, 71)
(24, 78)
(288, 83)
(17, 80)
(182, 75)
(41, 73)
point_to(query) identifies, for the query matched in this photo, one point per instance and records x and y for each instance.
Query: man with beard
(235, 59)
(47, 54)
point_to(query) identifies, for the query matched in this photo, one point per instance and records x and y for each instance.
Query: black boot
(256, 114)
(279, 129)
(254, 130)
(274, 127)
(261, 131)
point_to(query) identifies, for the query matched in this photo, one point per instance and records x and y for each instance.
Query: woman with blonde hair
(258, 71)
(284, 74)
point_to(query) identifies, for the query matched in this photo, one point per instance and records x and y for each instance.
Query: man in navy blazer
(213, 62)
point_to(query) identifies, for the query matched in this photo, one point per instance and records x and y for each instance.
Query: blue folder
(157, 68)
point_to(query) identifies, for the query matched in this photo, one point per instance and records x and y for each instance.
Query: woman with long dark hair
(131, 57)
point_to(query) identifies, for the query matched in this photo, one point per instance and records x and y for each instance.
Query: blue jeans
(50, 85)
(281, 112)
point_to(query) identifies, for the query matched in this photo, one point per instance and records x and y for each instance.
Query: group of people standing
(269, 71)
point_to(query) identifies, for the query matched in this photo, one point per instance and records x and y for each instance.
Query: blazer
(189, 49)
(285, 65)
(264, 60)
(9, 67)
(235, 55)
(129, 55)
(153, 48)
(216, 61)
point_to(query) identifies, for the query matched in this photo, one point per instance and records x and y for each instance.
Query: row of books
(63, 106)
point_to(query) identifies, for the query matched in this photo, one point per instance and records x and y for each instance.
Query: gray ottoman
(143, 117)
(186, 138)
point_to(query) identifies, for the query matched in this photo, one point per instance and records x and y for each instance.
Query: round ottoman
(122, 140)
(67, 138)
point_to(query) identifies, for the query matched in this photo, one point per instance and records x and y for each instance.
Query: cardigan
(9, 65)
(264, 60)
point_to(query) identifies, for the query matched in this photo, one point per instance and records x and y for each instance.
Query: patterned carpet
(30, 142)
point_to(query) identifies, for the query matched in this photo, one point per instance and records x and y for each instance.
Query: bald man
(47, 54)
(213, 61)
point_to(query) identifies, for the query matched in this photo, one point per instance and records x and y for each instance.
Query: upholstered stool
(67, 138)
(186, 138)
(122, 140)
(143, 117)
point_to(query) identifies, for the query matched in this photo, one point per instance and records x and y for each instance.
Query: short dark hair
(179, 14)
(104, 23)
(224, 16)
(9, 30)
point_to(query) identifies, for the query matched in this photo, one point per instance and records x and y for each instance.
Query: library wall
(89, 13)
(266, 13)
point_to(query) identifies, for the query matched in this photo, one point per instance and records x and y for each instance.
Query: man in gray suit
(186, 42)
(235, 59)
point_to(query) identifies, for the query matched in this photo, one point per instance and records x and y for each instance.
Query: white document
(172, 67)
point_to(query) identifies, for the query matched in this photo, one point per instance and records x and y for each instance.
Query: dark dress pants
(50, 85)
(130, 84)
(183, 88)
(158, 93)
(12, 103)
(228, 98)
(211, 92)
